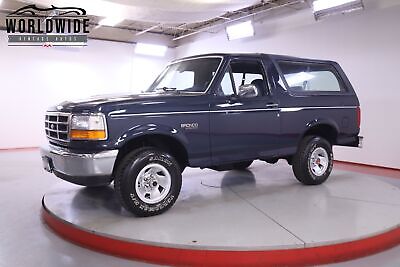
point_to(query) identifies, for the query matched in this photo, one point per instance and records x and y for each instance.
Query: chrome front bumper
(88, 169)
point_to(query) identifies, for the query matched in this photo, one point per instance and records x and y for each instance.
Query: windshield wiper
(166, 89)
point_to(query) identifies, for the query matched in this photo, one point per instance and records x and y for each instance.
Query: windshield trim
(193, 58)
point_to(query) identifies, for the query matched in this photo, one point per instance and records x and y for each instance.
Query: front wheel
(313, 161)
(148, 182)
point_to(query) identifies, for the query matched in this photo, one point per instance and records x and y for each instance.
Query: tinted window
(249, 72)
(193, 75)
(248, 78)
(305, 77)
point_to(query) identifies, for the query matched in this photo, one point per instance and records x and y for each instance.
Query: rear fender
(324, 127)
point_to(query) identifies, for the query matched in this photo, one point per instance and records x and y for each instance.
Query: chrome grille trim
(57, 126)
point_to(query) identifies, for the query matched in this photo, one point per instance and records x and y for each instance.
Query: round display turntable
(258, 217)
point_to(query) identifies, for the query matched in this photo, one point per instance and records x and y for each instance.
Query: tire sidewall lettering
(133, 170)
(151, 207)
(161, 159)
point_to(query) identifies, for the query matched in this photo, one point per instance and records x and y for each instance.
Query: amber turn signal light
(88, 134)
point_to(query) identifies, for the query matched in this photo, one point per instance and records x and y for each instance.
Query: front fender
(150, 129)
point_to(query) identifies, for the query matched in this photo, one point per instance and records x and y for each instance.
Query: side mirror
(248, 90)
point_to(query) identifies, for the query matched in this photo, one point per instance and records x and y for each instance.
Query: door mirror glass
(248, 90)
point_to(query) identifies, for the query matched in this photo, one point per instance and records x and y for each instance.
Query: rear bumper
(88, 169)
(360, 141)
(356, 141)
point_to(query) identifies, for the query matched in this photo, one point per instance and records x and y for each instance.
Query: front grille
(57, 126)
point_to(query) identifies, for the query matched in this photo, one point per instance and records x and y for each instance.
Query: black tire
(303, 161)
(242, 165)
(127, 180)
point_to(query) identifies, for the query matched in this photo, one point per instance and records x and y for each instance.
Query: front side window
(249, 72)
(193, 75)
(310, 77)
(248, 79)
(226, 88)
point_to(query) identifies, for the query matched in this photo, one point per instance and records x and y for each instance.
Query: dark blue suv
(218, 111)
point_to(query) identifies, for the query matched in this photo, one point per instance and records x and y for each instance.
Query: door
(244, 124)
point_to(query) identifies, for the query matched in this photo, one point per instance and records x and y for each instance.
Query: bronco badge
(190, 126)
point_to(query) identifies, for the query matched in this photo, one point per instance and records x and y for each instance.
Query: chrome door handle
(271, 106)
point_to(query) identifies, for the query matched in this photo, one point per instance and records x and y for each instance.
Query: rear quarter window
(303, 77)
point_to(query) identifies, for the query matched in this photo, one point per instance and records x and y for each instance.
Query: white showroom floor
(347, 206)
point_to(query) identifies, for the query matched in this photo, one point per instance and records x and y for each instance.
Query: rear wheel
(313, 161)
(148, 182)
(242, 165)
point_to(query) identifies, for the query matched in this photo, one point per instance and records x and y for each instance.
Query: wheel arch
(163, 141)
(324, 128)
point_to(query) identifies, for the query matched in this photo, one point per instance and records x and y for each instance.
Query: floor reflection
(97, 198)
(237, 178)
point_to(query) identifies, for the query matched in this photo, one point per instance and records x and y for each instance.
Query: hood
(100, 102)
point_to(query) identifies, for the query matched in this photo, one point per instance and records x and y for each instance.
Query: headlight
(88, 127)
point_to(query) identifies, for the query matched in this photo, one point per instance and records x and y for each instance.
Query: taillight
(358, 117)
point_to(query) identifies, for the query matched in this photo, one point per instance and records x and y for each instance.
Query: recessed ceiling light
(110, 21)
(324, 8)
(240, 30)
(150, 49)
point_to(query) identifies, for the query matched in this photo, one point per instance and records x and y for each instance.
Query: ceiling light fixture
(323, 8)
(240, 30)
(110, 21)
(150, 49)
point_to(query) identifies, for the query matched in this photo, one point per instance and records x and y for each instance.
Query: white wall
(366, 44)
(34, 78)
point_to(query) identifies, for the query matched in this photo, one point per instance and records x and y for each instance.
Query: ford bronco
(218, 111)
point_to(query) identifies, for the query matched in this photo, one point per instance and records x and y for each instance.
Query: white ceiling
(168, 22)
(173, 22)
(160, 11)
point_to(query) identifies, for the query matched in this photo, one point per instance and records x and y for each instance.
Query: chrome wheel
(319, 161)
(153, 183)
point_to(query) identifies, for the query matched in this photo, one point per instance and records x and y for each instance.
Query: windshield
(193, 75)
